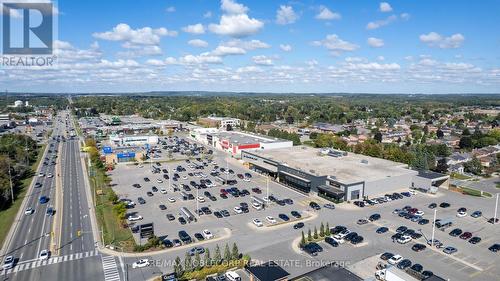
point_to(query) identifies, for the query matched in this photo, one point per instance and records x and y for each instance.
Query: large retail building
(337, 174)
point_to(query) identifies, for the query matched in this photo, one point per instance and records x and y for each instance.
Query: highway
(76, 256)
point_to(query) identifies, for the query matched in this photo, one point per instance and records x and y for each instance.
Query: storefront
(331, 192)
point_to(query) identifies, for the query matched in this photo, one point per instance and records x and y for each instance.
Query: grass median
(113, 231)
(475, 192)
(8, 215)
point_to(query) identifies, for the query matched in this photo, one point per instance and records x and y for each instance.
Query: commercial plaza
(339, 175)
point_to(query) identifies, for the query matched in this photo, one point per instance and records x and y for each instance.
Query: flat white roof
(347, 169)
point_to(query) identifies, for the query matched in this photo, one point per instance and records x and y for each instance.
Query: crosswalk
(110, 268)
(35, 263)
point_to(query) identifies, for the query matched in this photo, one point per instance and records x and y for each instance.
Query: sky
(308, 46)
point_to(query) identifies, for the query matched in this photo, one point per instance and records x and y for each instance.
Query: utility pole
(267, 188)
(433, 227)
(496, 209)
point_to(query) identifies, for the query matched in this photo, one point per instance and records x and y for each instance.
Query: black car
(385, 256)
(313, 249)
(455, 232)
(217, 214)
(182, 220)
(284, 217)
(427, 274)
(154, 189)
(423, 221)
(298, 225)
(396, 236)
(382, 229)
(184, 236)
(360, 204)
(374, 217)
(198, 236)
(401, 229)
(225, 213)
(146, 179)
(331, 241)
(223, 196)
(417, 267)
(337, 229)
(475, 240)
(296, 214)
(314, 205)
(141, 200)
(418, 247)
(357, 239)
(168, 243)
(444, 205)
(149, 193)
(288, 201)
(162, 207)
(280, 202)
(136, 185)
(170, 217)
(404, 264)
(415, 235)
(494, 248)
(350, 236)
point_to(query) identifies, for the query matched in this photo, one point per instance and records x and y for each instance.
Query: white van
(233, 276)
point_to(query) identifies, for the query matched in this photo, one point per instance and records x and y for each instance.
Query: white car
(134, 218)
(171, 200)
(246, 179)
(50, 175)
(271, 219)
(257, 222)
(266, 199)
(342, 234)
(163, 191)
(395, 259)
(29, 211)
(232, 276)
(238, 210)
(8, 262)
(184, 177)
(461, 214)
(159, 180)
(207, 234)
(141, 263)
(200, 199)
(412, 191)
(404, 239)
(44, 255)
(339, 240)
(419, 213)
(41, 175)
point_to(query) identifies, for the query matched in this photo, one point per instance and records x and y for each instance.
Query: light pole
(496, 209)
(267, 188)
(433, 227)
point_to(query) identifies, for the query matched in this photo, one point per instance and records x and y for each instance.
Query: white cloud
(142, 36)
(373, 66)
(326, 14)
(170, 9)
(138, 51)
(233, 8)
(198, 43)
(380, 23)
(236, 26)
(333, 43)
(380, 58)
(249, 69)
(285, 47)
(405, 16)
(247, 45)
(375, 42)
(194, 29)
(433, 39)
(262, 60)
(222, 50)
(286, 15)
(385, 7)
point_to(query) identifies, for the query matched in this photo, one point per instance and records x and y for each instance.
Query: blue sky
(406, 46)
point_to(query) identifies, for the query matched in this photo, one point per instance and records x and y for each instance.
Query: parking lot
(169, 192)
(276, 240)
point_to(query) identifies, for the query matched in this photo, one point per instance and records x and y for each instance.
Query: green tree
(188, 263)
(474, 166)
(197, 261)
(218, 256)
(235, 254)
(378, 137)
(302, 240)
(178, 267)
(227, 253)
(465, 142)
(322, 230)
(327, 230)
(315, 235)
(207, 259)
(309, 236)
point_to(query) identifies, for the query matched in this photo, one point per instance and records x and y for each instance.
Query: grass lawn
(459, 176)
(475, 192)
(113, 232)
(8, 215)
(497, 185)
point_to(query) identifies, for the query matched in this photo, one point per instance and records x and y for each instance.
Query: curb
(57, 226)
(227, 234)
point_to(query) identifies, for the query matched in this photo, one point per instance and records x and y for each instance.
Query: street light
(433, 227)
(496, 209)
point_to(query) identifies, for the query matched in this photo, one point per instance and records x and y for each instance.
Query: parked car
(386, 256)
(141, 263)
(298, 225)
(362, 221)
(271, 219)
(450, 250)
(257, 222)
(455, 232)
(476, 214)
(404, 264)
(374, 217)
(395, 259)
(381, 230)
(418, 247)
(475, 240)
(494, 248)
(313, 205)
(331, 242)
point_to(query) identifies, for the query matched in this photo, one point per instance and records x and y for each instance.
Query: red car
(412, 210)
(466, 235)
(223, 191)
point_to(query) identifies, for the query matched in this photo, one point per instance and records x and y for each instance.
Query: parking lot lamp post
(197, 202)
(433, 227)
(496, 209)
(267, 187)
